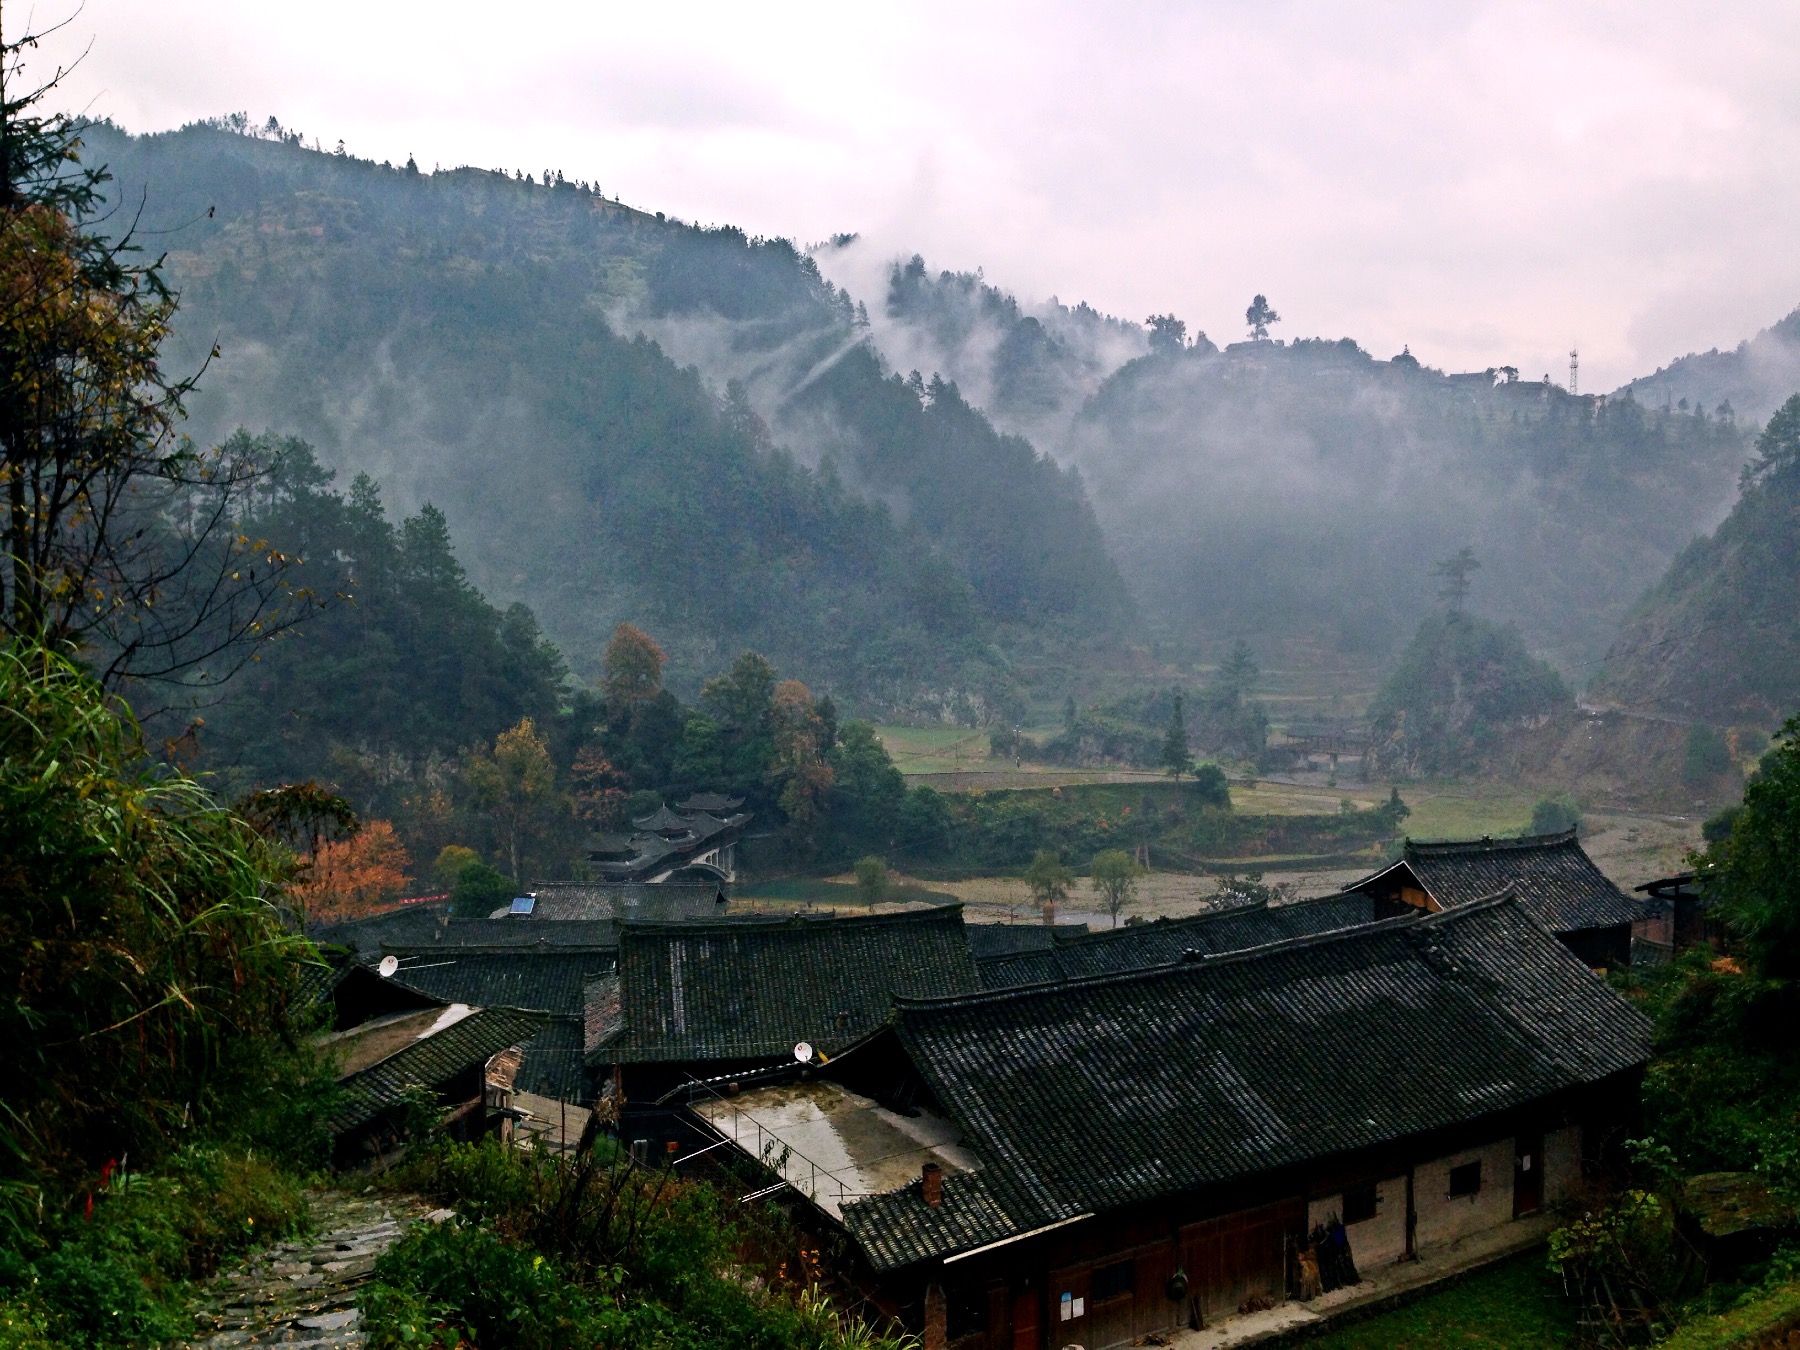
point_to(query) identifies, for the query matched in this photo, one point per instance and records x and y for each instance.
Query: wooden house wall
(1235, 1244)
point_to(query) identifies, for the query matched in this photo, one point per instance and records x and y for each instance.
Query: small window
(524, 904)
(1360, 1203)
(966, 1313)
(1115, 1281)
(1465, 1180)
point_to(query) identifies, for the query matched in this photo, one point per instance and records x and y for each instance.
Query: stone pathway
(302, 1295)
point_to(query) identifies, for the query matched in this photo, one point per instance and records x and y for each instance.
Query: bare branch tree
(119, 538)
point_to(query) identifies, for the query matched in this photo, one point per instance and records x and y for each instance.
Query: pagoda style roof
(663, 821)
(664, 841)
(1153, 944)
(748, 989)
(1093, 1094)
(1551, 873)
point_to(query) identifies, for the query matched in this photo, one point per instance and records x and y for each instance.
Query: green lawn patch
(1756, 1323)
(1514, 1306)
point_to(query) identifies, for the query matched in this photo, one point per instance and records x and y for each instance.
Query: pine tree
(1176, 757)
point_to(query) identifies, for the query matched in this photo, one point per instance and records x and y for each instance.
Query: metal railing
(823, 1186)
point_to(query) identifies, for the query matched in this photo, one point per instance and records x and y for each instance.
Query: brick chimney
(937, 1316)
(931, 1184)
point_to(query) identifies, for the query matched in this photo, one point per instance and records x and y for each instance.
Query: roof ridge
(1380, 927)
(1165, 924)
(1491, 844)
(780, 922)
(542, 947)
(1507, 896)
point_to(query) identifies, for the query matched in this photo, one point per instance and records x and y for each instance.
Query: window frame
(1465, 1180)
(1360, 1203)
(1103, 1277)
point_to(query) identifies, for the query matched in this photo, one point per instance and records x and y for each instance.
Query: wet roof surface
(1097, 1093)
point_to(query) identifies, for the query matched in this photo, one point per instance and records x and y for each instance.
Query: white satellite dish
(804, 1052)
(389, 964)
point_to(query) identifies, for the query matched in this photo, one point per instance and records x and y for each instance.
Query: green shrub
(1706, 755)
(454, 1282)
(136, 925)
(118, 1275)
(625, 1256)
(479, 890)
(1553, 815)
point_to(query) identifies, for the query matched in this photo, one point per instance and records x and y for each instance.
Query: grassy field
(1514, 1306)
(937, 749)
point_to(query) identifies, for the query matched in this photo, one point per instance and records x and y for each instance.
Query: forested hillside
(1752, 379)
(1718, 638)
(603, 402)
(464, 338)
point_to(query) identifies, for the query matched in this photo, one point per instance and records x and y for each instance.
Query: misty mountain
(1752, 380)
(1310, 488)
(1717, 639)
(1030, 368)
(1279, 488)
(472, 339)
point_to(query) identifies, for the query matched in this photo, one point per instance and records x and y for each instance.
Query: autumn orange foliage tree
(799, 766)
(631, 667)
(349, 878)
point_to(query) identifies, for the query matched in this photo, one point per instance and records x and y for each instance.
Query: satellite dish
(389, 964)
(804, 1052)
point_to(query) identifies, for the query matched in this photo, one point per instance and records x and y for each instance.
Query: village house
(1072, 955)
(1674, 920)
(1552, 874)
(392, 1043)
(555, 981)
(1092, 1161)
(697, 1001)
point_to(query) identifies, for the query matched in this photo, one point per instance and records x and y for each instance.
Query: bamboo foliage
(140, 946)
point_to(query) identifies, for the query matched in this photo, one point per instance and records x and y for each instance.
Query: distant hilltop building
(696, 841)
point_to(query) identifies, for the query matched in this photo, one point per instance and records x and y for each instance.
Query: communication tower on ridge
(1574, 371)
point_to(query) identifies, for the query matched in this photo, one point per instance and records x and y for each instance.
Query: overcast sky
(1486, 182)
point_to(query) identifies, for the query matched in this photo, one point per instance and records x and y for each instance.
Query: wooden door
(1230, 1258)
(1528, 1174)
(1025, 1329)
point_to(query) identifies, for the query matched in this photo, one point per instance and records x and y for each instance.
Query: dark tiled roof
(409, 923)
(899, 1228)
(554, 981)
(573, 901)
(513, 932)
(549, 981)
(1009, 939)
(1166, 940)
(1552, 874)
(431, 1062)
(553, 1065)
(663, 819)
(714, 803)
(751, 990)
(1096, 1093)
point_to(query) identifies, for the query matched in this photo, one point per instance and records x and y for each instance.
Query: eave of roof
(1048, 1083)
